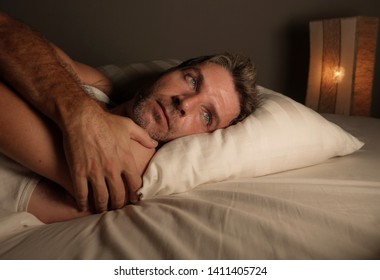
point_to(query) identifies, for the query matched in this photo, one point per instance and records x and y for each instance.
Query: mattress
(327, 211)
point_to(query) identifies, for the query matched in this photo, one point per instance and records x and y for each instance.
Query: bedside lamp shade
(342, 60)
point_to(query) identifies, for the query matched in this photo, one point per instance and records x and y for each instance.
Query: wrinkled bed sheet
(327, 211)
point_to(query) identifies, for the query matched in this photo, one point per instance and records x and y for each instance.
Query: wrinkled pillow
(280, 135)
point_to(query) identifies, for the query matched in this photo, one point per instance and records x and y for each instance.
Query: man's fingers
(81, 193)
(117, 191)
(140, 135)
(100, 193)
(133, 183)
(104, 161)
(132, 194)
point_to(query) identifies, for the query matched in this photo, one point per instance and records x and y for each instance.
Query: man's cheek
(186, 126)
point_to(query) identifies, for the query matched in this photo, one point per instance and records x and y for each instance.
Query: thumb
(140, 135)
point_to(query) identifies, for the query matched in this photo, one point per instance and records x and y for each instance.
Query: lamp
(341, 69)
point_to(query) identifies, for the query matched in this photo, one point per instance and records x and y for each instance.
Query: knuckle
(81, 195)
(79, 170)
(101, 199)
(101, 202)
(110, 169)
(119, 198)
(93, 172)
(128, 157)
(117, 191)
(118, 202)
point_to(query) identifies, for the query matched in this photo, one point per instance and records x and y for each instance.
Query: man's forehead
(216, 75)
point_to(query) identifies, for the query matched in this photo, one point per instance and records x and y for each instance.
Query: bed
(293, 186)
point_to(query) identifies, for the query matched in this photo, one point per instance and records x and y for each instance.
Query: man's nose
(186, 104)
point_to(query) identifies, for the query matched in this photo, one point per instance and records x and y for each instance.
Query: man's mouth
(163, 114)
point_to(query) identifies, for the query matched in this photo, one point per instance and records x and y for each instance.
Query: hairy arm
(98, 152)
(31, 139)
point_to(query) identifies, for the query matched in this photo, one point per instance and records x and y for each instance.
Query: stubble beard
(139, 109)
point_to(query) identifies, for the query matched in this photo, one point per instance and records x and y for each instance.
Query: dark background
(274, 33)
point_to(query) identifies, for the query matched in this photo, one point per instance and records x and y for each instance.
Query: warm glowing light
(342, 63)
(338, 74)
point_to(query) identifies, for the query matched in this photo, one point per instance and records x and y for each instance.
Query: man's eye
(207, 117)
(193, 82)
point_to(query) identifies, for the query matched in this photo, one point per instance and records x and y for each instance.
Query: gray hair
(243, 73)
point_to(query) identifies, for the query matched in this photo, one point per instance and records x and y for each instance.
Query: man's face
(188, 101)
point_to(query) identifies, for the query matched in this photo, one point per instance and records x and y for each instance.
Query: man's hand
(97, 144)
(97, 147)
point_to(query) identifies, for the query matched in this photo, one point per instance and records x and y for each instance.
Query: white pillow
(281, 135)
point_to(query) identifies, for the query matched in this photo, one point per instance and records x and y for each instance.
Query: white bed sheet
(327, 211)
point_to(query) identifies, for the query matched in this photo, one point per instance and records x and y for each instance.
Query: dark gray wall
(274, 33)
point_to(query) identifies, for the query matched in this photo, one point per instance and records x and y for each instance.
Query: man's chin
(158, 136)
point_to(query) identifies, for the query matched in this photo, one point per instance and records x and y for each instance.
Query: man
(199, 96)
